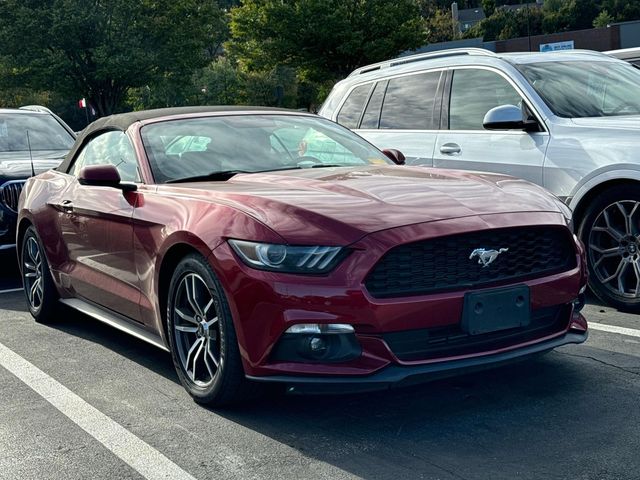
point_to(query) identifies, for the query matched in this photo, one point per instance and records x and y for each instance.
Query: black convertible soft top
(122, 121)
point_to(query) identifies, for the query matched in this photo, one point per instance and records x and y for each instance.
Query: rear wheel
(41, 293)
(610, 232)
(202, 337)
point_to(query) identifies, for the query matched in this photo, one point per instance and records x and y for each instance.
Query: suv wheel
(610, 232)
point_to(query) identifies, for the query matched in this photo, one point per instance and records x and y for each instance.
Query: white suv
(569, 121)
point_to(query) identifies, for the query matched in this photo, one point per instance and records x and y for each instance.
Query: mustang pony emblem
(486, 257)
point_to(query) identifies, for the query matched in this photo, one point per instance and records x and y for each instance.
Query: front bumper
(265, 304)
(395, 376)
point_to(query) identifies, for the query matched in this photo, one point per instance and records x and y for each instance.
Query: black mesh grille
(10, 194)
(428, 343)
(443, 264)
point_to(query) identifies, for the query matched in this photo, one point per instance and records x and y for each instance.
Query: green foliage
(502, 24)
(603, 19)
(488, 6)
(223, 83)
(440, 26)
(98, 49)
(323, 39)
(554, 16)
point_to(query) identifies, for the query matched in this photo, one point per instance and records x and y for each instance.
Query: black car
(23, 155)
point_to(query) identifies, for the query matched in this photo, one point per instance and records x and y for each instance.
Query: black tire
(622, 259)
(228, 384)
(42, 302)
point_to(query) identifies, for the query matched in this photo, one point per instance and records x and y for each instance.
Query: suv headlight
(288, 258)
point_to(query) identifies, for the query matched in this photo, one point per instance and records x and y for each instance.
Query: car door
(463, 143)
(402, 112)
(97, 230)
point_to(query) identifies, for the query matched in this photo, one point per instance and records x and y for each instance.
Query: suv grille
(443, 264)
(450, 341)
(10, 194)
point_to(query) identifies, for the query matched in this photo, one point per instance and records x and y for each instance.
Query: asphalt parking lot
(80, 400)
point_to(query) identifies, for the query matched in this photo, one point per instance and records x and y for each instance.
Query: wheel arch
(170, 260)
(581, 204)
(24, 224)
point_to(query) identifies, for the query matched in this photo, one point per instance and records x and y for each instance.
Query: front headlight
(288, 258)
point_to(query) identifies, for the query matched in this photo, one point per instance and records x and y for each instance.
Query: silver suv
(569, 121)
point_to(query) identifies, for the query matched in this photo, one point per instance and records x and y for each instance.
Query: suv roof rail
(422, 56)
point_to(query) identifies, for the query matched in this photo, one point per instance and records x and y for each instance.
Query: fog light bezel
(295, 344)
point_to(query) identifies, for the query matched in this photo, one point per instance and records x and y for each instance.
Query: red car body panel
(111, 248)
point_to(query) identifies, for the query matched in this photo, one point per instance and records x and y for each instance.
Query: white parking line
(614, 329)
(139, 455)
(11, 290)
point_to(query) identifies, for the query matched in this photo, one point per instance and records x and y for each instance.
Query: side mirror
(509, 117)
(395, 155)
(104, 176)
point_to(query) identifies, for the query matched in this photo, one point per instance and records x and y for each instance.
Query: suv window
(45, 133)
(580, 89)
(350, 112)
(410, 102)
(474, 93)
(109, 148)
(371, 117)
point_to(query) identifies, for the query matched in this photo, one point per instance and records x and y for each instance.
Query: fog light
(317, 345)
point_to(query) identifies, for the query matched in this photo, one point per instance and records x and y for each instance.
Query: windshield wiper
(219, 175)
(327, 165)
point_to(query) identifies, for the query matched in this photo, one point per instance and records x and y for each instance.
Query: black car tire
(599, 240)
(229, 385)
(46, 309)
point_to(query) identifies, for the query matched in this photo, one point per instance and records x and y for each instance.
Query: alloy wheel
(614, 248)
(32, 273)
(196, 330)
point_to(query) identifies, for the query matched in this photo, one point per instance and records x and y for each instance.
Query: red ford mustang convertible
(261, 245)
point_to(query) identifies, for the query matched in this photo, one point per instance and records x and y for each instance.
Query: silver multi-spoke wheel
(39, 288)
(196, 330)
(614, 248)
(32, 272)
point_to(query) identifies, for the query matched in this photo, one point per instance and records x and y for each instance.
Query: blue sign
(552, 47)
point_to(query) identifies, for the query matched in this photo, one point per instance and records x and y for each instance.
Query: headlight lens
(288, 258)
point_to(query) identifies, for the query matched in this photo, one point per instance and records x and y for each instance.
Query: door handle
(450, 149)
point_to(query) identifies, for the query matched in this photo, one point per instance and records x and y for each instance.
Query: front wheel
(41, 293)
(610, 231)
(202, 337)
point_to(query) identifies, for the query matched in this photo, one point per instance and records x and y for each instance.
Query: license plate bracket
(496, 309)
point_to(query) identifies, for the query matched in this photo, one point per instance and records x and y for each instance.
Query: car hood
(344, 204)
(627, 122)
(17, 165)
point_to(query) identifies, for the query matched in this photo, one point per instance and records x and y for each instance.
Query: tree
(98, 49)
(603, 20)
(488, 6)
(440, 26)
(323, 39)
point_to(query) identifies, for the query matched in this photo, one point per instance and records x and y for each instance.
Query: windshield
(201, 147)
(45, 133)
(586, 89)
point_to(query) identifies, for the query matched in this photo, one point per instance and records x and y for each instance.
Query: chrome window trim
(334, 115)
(536, 112)
(517, 88)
